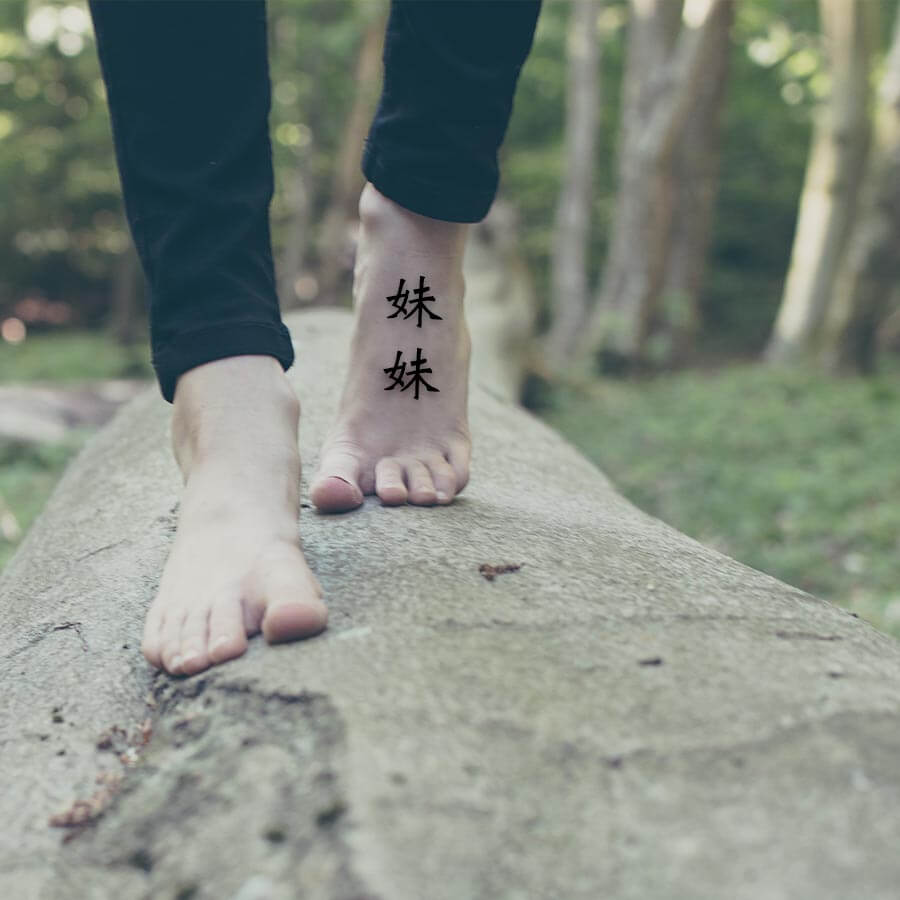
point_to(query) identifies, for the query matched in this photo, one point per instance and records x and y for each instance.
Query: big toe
(333, 493)
(292, 596)
(336, 486)
(291, 620)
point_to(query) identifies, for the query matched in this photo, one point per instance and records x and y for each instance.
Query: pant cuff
(448, 202)
(211, 342)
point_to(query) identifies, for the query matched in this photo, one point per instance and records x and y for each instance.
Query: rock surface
(628, 716)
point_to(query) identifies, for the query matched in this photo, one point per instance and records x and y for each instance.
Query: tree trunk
(871, 269)
(833, 176)
(573, 214)
(500, 303)
(335, 244)
(661, 84)
(693, 188)
(297, 240)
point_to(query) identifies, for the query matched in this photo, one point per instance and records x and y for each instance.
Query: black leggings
(189, 97)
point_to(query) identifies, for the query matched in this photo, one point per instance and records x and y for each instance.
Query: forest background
(695, 256)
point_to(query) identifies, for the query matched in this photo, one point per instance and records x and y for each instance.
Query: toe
(336, 486)
(443, 476)
(151, 643)
(335, 494)
(459, 457)
(389, 485)
(227, 634)
(418, 480)
(194, 641)
(291, 595)
(170, 641)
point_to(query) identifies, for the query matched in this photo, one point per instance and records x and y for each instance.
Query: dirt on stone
(490, 572)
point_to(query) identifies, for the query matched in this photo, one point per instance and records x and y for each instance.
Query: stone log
(536, 692)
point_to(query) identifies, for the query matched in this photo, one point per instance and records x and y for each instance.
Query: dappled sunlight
(13, 330)
(696, 12)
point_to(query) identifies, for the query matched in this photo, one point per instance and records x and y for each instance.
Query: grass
(66, 357)
(790, 472)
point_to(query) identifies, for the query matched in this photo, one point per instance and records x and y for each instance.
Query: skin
(236, 567)
(387, 442)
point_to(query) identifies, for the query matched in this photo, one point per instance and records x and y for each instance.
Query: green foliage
(62, 225)
(61, 228)
(62, 231)
(73, 356)
(766, 130)
(313, 54)
(789, 472)
(532, 157)
(774, 83)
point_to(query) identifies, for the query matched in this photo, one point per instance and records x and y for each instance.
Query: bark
(336, 244)
(500, 303)
(834, 173)
(573, 215)
(693, 185)
(871, 269)
(887, 336)
(660, 88)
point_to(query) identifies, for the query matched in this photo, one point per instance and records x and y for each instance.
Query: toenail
(442, 496)
(176, 662)
(357, 492)
(221, 639)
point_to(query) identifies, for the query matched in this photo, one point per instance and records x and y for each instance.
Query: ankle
(222, 405)
(379, 215)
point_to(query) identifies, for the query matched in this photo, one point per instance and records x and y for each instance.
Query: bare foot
(236, 567)
(402, 430)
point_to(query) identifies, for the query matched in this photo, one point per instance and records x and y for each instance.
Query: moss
(73, 356)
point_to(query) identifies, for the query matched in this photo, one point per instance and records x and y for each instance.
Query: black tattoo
(417, 307)
(397, 372)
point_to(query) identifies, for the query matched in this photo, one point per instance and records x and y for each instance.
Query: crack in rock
(806, 636)
(45, 631)
(245, 777)
(101, 549)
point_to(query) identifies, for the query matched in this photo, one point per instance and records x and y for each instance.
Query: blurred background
(691, 270)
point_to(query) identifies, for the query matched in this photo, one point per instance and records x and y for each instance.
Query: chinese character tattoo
(398, 300)
(417, 307)
(397, 373)
(417, 368)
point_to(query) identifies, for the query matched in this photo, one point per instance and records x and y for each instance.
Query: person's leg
(451, 68)
(189, 95)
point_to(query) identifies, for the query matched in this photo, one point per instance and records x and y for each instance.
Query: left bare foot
(402, 429)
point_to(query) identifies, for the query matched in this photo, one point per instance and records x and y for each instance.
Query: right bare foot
(236, 567)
